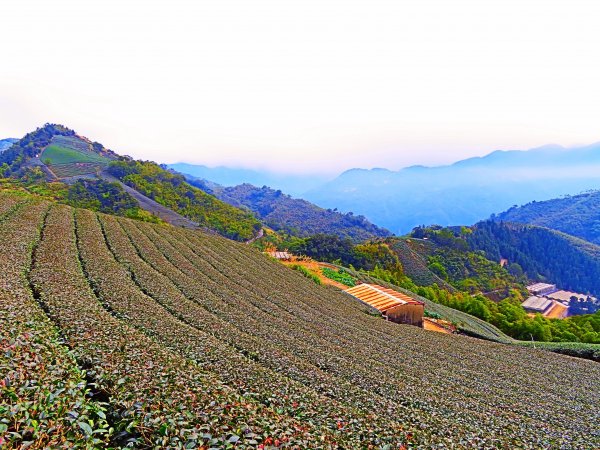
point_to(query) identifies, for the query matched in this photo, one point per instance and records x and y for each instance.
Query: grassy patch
(341, 276)
(55, 154)
(307, 273)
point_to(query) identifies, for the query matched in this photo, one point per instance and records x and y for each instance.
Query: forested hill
(544, 254)
(172, 190)
(294, 216)
(577, 215)
(55, 162)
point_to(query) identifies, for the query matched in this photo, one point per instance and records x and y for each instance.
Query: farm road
(166, 214)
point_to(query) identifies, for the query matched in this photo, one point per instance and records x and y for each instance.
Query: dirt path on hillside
(146, 203)
(260, 234)
(430, 325)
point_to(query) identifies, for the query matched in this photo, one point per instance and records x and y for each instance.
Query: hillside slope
(173, 192)
(56, 153)
(544, 254)
(164, 213)
(577, 215)
(295, 216)
(189, 339)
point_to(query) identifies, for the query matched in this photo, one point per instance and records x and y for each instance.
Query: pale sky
(304, 86)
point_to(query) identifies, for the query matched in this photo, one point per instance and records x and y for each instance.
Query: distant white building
(537, 304)
(565, 296)
(541, 288)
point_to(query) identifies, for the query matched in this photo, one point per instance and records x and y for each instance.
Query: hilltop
(146, 335)
(292, 216)
(577, 215)
(55, 161)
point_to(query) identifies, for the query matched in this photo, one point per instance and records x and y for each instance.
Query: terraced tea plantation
(119, 333)
(69, 156)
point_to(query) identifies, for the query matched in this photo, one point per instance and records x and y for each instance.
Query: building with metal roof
(537, 304)
(541, 288)
(395, 306)
(565, 296)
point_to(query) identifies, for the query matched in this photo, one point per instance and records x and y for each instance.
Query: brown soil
(558, 311)
(430, 325)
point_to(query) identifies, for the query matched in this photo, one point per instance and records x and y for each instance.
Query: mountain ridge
(462, 193)
(6, 143)
(293, 216)
(577, 215)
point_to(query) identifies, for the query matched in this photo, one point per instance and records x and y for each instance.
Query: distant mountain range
(577, 215)
(459, 194)
(464, 192)
(225, 176)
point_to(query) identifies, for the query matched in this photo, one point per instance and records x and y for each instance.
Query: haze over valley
(461, 193)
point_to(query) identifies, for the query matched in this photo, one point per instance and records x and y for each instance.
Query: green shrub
(307, 273)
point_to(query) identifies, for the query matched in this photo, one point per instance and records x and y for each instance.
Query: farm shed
(541, 288)
(395, 306)
(282, 256)
(537, 304)
(565, 296)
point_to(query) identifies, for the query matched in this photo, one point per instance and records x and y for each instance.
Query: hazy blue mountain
(464, 192)
(6, 143)
(225, 176)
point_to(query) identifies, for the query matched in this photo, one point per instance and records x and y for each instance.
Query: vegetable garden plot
(8, 204)
(211, 405)
(74, 169)
(263, 351)
(155, 397)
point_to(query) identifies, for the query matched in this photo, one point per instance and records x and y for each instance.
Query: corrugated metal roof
(540, 286)
(537, 303)
(565, 295)
(379, 297)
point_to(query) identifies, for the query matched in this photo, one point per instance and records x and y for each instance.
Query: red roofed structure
(395, 306)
